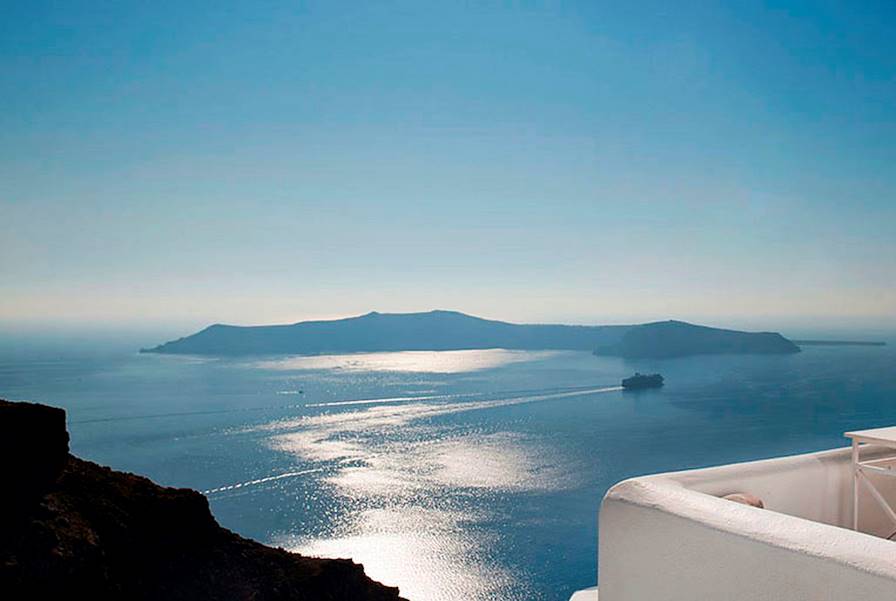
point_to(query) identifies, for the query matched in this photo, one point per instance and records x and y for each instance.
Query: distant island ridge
(442, 330)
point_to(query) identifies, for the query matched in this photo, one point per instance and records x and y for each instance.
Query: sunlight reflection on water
(417, 487)
(442, 362)
(425, 550)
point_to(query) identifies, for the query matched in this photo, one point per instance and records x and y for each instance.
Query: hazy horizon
(130, 336)
(802, 323)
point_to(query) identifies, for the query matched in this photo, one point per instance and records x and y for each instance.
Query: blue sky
(187, 163)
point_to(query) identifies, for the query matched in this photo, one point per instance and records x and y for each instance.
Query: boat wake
(212, 491)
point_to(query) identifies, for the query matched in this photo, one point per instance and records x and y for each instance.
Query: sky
(185, 163)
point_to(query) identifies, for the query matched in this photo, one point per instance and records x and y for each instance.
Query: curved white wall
(671, 537)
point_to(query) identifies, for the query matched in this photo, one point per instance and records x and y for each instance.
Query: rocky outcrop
(72, 529)
(33, 450)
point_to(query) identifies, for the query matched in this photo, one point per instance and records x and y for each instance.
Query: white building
(673, 537)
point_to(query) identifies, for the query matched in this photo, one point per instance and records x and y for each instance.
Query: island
(72, 529)
(669, 339)
(451, 330)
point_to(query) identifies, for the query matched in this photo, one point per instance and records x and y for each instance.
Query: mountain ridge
(442, 329)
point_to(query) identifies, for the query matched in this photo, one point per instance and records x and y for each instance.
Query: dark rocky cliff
(73, 529)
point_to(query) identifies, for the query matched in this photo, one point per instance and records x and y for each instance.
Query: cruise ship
(639, 381)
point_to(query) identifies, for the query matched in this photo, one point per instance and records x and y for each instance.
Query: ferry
(639, 381)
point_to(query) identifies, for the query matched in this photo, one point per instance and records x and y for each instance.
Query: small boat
(639, 381)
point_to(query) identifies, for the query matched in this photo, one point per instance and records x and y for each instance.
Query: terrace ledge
(671, 536)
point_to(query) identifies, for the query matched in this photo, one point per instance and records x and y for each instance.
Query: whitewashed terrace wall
(671, 537)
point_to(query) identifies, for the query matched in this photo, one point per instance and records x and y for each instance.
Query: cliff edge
(75, 529)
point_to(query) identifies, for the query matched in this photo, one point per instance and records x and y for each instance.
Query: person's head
(745, 499)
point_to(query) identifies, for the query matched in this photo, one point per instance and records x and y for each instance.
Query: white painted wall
(671, 537)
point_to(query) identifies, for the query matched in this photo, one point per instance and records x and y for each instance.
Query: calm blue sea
(466, 475)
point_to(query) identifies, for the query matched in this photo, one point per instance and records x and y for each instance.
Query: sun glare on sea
(443, 362)
(419, 492)
(421, 551)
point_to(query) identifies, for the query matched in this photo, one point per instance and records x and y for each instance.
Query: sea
(460, 475)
